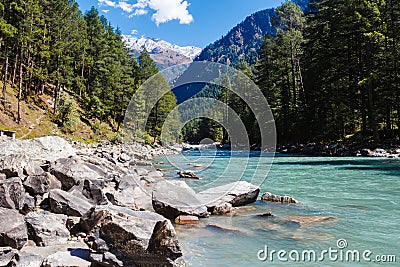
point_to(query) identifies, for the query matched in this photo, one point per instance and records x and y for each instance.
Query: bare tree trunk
(5, 81)
(14, 70)
(20, 86)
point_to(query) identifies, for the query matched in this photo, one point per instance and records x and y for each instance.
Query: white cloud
(139, 12)
(134, 32)
(165, 10)
(106, 10)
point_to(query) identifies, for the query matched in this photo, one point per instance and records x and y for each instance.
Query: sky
(181, 22)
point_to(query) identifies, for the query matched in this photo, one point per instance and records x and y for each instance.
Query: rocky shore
(70, 205)
(340, 150)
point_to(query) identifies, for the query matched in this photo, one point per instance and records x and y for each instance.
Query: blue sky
(182, 22)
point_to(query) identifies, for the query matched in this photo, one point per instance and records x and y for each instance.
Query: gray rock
(135, 238)
(124, 158)
(188, 175)
(12, 193)
(67, 259)
(276, 198)
(47, 229)
(28, 204)
(237, 194)
(6, 255)
(23, 259)
(49, 148)
(142, 172)
(174, 198)
(65, 203)
(13, 232)
(90, 190)
(15, 165)
(70, 171)
(123, 198)
(40, 184)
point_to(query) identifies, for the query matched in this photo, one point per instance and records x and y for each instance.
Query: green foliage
(68, 114)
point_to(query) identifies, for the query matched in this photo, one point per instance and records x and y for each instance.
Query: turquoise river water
(362, 194)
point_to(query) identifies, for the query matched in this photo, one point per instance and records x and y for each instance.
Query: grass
(37, 120)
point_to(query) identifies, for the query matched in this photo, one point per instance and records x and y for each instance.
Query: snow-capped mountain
(162, 52)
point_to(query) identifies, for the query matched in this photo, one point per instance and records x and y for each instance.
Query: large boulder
(237, 194)
(17, 165)
(125, 237)
(41, 184)
(12, 193)
(47, 229)
(66, 259)
(91, 190)
(49, 148)
(13, 232)
(174, 198)
(70, 171)
(65, 203)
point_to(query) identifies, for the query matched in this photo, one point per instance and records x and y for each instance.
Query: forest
(329, 75)
(80, 60)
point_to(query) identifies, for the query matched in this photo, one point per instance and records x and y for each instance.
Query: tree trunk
(5, 81)
(14, 70)
(20, 86)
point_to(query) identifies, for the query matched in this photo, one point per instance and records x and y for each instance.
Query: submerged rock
(13, 231)
(276, 198)
(236, 194)
(135, 238)
(174, 198)
(305, 220)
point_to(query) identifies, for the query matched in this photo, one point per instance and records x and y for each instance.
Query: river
(362, 194)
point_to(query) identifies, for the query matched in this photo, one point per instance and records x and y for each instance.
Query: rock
(186, 219)
(12, 193)
(136, 238)
(237, 194)
(174, 198)
(276, 198)
(156, 174)
(47, 229)
(6, 255)
(17, 166)
(123, 198)
(226, 228)
(124, 158)
(142, 172)
(91, 190)
(306, 220)
(13, 232)
(40, 184)
(65, 203)
(23, 259)
(49, 148)
(28, 204)
(3, 176)
(70, 171)
(67, 259)
(263, 215)
(222, 208)
(188, 175)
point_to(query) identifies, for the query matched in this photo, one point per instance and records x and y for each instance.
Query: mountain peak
(151, 44)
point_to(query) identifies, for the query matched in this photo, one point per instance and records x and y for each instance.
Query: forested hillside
(329, 75)
(243, 42)
(79, 60)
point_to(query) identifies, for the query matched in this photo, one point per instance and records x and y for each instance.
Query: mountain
(243, 42)
(163, 53)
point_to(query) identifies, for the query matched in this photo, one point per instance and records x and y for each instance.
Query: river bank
(71, 204)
